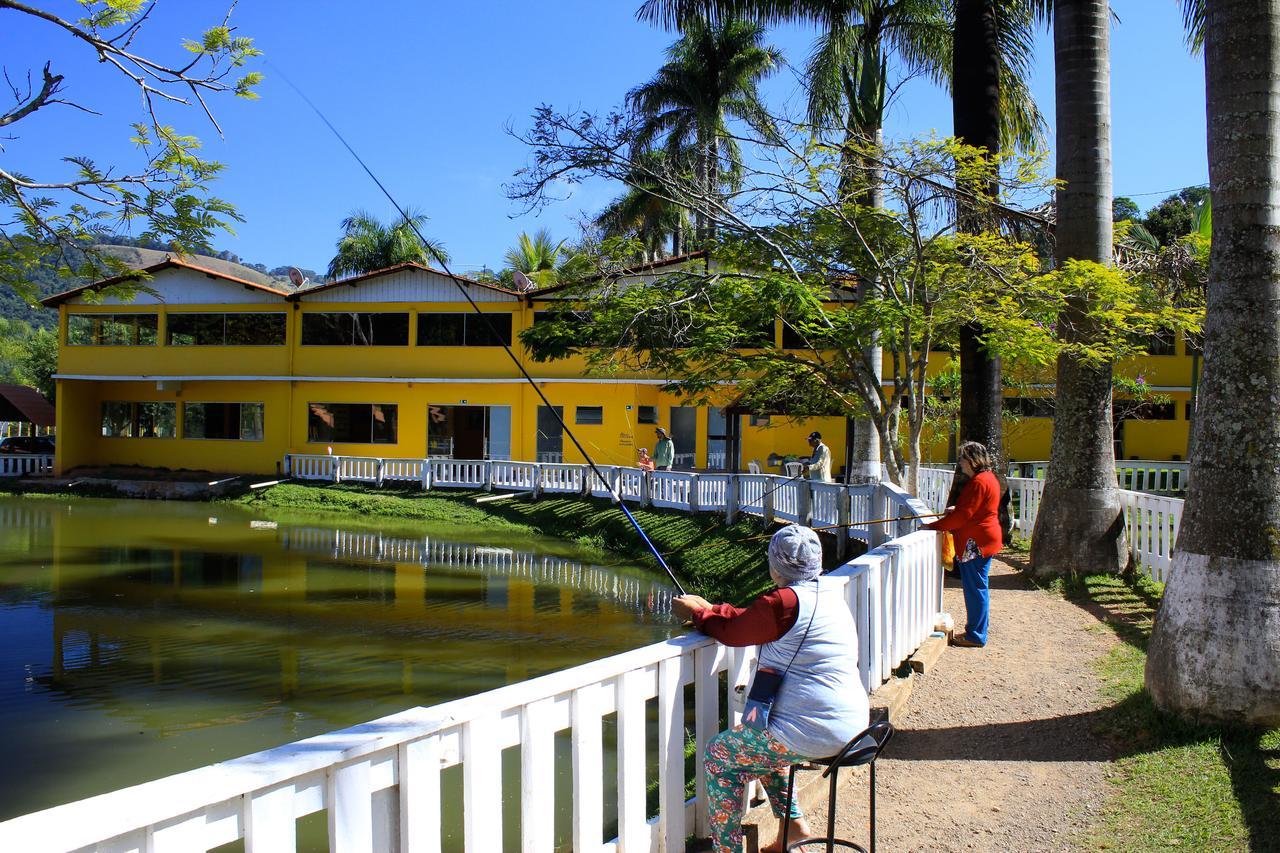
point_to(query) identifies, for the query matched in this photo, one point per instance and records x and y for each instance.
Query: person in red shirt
(975, 523)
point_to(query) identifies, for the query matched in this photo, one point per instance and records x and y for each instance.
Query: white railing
(1151, 521)
(24, 464)
(381, 781)
(1138, 475)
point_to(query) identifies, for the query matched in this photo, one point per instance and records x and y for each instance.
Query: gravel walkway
(999, 748)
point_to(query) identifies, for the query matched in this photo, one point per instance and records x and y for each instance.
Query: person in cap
(664, 452)
(819, 464)
(806, 632)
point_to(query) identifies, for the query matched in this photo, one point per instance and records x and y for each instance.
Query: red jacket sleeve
(763, 621)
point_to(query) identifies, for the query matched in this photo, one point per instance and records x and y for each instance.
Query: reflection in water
(139, 639)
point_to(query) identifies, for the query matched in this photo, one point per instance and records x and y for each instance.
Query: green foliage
(1123, 207)
(53, 221)
(28, 356)
(367, 244)
(543, 261)
(1173, 217)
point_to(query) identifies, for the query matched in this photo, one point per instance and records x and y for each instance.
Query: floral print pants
(733, 759)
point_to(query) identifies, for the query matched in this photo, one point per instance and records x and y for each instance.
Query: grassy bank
(1173, 784)
(708, 555)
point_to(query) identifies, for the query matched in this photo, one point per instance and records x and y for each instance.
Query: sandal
(963, 641)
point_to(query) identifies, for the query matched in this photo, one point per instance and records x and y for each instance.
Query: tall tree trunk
(867, 436)
(1215, 650)
(1079, 527)
(975, 109)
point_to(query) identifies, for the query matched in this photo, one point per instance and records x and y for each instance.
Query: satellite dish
(522, 281)
(295, 276)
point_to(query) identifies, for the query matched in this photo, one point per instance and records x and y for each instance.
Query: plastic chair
(865, 748)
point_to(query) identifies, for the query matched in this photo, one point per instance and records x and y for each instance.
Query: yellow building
(207, 371)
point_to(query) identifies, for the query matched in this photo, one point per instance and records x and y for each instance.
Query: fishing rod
(822, 529)
(493, 332)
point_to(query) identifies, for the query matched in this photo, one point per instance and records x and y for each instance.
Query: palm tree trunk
(975, 107)
(867, 436)
(1079, 527)
(1213, 653)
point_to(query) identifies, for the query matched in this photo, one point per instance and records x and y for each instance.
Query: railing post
(586, 480)
(766, 503)
(337, 469)
(616, 495)
(488, 476)
(378, 472)
(644, 487)
(843, 520)
(693, 493)
(804, 502)
(731, 499)
(288, 464)
(537, 480)
(426, 474)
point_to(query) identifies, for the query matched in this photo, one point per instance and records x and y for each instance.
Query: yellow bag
(948, 550)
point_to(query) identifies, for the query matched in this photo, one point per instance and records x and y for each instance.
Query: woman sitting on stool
(806, 632)
(975, 523)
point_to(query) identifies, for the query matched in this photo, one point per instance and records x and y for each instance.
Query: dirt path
(999, 749)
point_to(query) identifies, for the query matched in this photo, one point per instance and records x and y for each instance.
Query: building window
(214, 330)
(791, 339)
(1152, 412)
(139, 420)
(222, 421)
(463, 330)
(1029, 407)
(111, 330)
(361, 330)
(647, 415)
(589, 415)
(352, 423)
(759, 420)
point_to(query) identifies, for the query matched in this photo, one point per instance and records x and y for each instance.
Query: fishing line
(489, 324)
(823, 529)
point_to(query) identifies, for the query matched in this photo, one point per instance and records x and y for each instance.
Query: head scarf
(795, 554)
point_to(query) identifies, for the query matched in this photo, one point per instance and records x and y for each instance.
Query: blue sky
(425, 91)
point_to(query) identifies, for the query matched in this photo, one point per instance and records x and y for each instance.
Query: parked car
(27, 444)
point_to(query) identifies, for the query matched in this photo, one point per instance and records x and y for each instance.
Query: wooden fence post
(731, 499)
(488, 475)
(693, 493)
(378, 472)
(644, 488)
(804, 502)
(337, 469)
(426, 474)
(843, 515)
(766, 503)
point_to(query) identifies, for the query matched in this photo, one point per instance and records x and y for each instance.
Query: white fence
(380, 782)
(1151, 521)
(24, 464)
(1138, 475)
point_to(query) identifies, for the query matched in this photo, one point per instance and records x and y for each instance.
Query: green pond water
(141, 638)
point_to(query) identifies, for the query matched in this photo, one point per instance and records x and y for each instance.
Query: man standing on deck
(819, 464)
(664, 452)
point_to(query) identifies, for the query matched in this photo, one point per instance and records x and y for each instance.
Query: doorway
(549, 446)
(684, 434)
(469, 432)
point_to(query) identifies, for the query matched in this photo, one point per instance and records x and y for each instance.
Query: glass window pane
(327, 330)
(117, 420)
(146, 325)
(115, 331)
(389, 330)
(251, 422)
(440, 330)
(647, 415)
(201, 330)
(384, 424)
(180, 330)
(320, 422)
(589, 415)
(479, 333)
(79, 329)
(498, 434)
(255, 330)
(211, 420)
(157, 420)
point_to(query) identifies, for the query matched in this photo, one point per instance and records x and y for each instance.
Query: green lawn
(1175, 785)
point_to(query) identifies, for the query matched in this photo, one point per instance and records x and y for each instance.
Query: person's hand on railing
(684, 606)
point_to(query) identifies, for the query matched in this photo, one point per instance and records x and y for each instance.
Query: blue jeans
(977, 597)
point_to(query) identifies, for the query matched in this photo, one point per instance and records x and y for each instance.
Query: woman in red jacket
(975, 523)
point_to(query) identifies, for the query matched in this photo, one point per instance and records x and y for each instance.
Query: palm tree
(541, 259)
(992, 44)
(1080, 527)
(646, 212)
(710, 76)
(1213, 649)
(367, 244)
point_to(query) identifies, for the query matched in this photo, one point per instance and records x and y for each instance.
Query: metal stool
(863, 749)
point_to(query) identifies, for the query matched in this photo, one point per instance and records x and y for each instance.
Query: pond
(144, 638)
